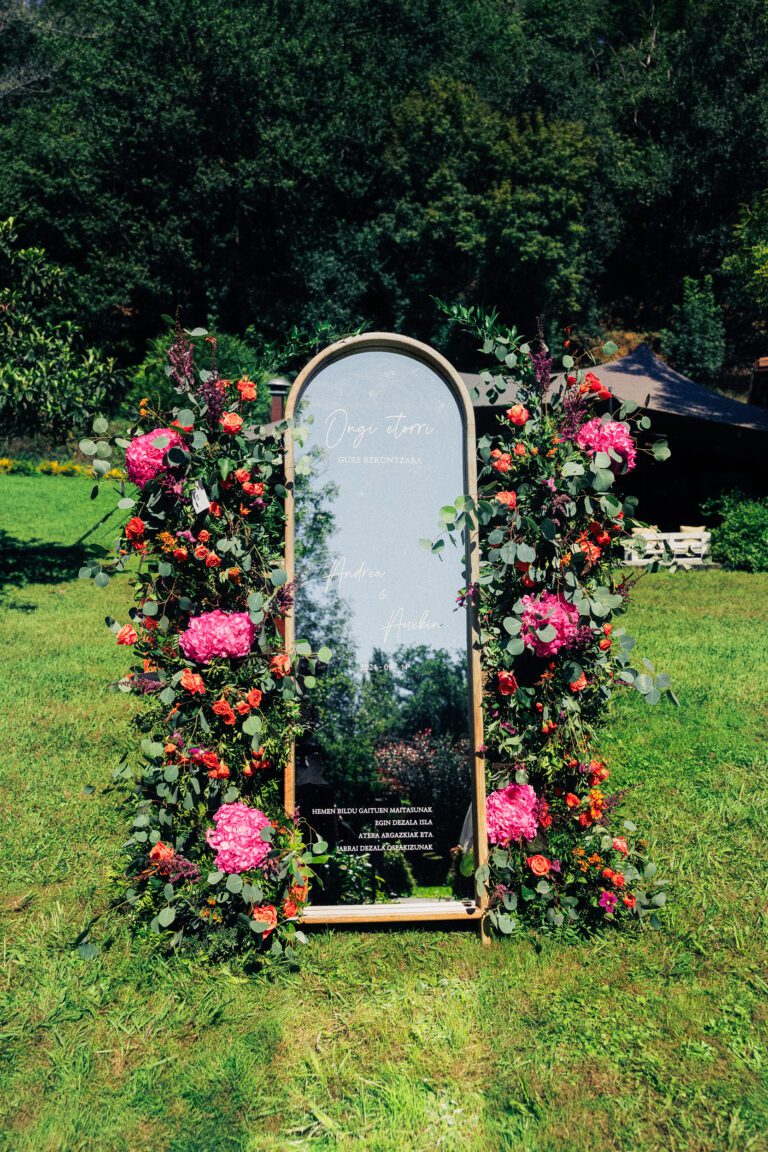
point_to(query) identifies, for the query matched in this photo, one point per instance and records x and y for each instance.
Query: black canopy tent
(717, 444)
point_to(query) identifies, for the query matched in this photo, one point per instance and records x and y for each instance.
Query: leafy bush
(696, 342)
(50, 382)
(740, 535)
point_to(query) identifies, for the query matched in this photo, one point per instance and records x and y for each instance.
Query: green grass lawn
(384, 1042)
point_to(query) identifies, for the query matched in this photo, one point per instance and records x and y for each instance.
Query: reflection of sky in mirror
(392, 441)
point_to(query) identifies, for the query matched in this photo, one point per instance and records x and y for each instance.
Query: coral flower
(508, 499)
(127, 635)
(161, 854)
(231, 423)
(280, 665)
(135, 528)
(266, 914)
(501, 461)
(192, 681)
(539, 865)
(241, 475)
(578, 685)
(620, 845)
(518, 414)
(572, 801)
(254, 697)
(246, 388)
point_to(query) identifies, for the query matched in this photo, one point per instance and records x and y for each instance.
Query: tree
(696, 342)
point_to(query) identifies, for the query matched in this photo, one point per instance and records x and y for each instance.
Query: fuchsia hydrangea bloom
(512, 813)
(548, 608)
(237, 838)
(144, 459)
(227, 634)
(599, 435)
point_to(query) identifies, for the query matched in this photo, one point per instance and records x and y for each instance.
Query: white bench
(690, 547)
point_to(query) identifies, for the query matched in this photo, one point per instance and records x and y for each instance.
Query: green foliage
(50, 382)
(695, 343)
(740, 534)
(566, 159)
(748, 263)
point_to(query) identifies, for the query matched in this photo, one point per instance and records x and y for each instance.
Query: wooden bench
(690, 547)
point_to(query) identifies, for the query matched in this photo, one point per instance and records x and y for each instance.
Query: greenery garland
(213, 860)
(549, 594)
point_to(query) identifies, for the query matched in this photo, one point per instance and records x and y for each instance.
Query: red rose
(507, 683)
(161, 853)
(241, 475)
(212, 560)
(231, 423)
(254, 697)
(180, 554)
(572, 800)
(243, 707)
(578, 685)
(519, 449)
(135, 528)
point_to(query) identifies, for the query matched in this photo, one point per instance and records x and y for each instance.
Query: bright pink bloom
(222, 634)
(608, 901)
(548, 608)
(144, 459)
(512, 813)
(237, 838)
(599, 436)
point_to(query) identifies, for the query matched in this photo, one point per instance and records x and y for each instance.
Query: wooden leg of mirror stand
(482, 927)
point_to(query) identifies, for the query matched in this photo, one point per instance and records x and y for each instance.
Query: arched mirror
(388, 772)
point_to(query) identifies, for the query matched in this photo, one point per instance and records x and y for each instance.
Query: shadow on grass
(35, 561)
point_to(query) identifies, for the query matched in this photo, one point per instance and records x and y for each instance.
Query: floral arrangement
(213, 861)
(549, 599)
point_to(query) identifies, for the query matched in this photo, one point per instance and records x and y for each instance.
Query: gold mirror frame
(392, 912)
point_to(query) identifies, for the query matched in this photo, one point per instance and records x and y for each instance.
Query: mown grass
(385, 1040)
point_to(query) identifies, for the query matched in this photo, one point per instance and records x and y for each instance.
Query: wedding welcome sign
(381, 439)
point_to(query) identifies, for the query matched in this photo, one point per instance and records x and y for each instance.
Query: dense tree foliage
(272, 161)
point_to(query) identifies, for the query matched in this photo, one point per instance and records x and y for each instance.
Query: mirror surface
(383, 773)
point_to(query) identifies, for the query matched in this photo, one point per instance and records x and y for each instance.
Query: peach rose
(127, 635)
(266, 914)
(508, 499)
(246, 388)
(231, 423)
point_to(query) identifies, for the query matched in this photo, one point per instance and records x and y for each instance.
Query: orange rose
(201, 552)
(161, 853)
(127, 635)
(501, 461)
(630, 901)
(572, 800)
(280, 665)
(220, 772)
(518, 414)
(241, 475)
(212, 560)
(507, 683)
(607, 629)
(539, 865)
(519, 449)
(266, 914)
(243, 707)
(578, 685)
(135, 528)
(289, 909)
(299, 892)
(204, 536)
(249, 489)
(215, 508)
(246, 388)
(231, 423)
(224, 709)
(605, 644)
(254, 697)
(180, 554)
(192, 681)
(509, 499)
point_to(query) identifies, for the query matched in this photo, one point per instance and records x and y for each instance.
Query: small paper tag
(200, 501)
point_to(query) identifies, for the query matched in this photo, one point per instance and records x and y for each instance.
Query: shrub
(740, 537)
(695, 344)
(50, 382)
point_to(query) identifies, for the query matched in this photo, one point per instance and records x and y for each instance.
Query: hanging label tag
(200, 501)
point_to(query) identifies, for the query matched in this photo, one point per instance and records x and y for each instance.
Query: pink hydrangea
(512, 813)
(237, 838)
(227, 634)
(145, 459)
(549, 608)
(599, 435)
